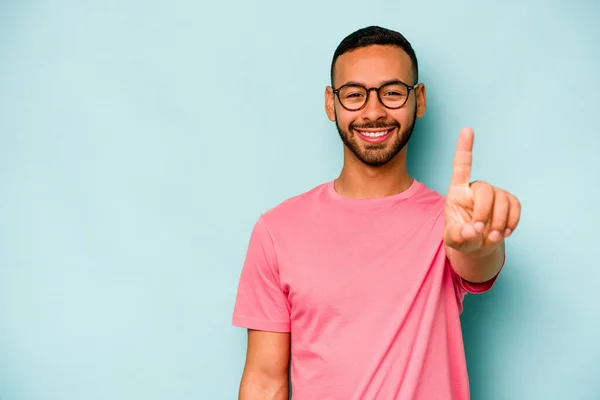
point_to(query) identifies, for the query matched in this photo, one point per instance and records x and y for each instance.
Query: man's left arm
(477, 268)
(478, 218)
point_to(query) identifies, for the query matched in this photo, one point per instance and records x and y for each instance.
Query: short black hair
(375, 35)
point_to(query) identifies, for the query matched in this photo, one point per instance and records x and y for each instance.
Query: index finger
(463, 159)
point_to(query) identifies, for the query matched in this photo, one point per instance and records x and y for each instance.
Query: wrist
(478, 266)
(482, 253)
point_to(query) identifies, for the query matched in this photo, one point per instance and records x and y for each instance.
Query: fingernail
(507, 232)
(479, 226)
(495, 236)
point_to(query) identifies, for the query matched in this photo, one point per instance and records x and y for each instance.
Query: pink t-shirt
(367, 292)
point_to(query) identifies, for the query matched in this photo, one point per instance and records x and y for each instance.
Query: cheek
(404, 116)
(345, 118)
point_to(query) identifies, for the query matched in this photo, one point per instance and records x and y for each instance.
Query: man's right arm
(266, 371)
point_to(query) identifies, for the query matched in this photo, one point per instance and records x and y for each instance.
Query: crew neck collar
(373, 201)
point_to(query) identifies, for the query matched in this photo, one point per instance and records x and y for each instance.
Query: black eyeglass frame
(377, 89)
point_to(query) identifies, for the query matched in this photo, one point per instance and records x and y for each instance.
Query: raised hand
(478, 216)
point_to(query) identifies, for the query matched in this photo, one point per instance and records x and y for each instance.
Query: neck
(358, 180)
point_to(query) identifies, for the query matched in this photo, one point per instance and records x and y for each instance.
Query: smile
(375, 136)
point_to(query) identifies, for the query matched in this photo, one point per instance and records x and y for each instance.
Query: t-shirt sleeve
(463, 286)
(261, 303)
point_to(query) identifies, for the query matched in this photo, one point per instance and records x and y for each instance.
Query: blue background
(140, 140)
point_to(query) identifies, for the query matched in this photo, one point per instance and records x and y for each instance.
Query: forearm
(475, 267)
(264, 388)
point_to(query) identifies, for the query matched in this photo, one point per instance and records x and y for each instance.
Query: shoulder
(428, 200)
(297, 207)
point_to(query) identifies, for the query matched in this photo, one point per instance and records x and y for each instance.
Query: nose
(373, 110)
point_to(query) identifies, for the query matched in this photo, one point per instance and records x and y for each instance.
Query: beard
(377, 155)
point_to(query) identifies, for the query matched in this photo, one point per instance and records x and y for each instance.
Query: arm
(266, 375)
(477, 268)
(478, 218)
(263, 308)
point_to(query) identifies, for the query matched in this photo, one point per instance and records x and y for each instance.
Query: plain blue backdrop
(140, 141)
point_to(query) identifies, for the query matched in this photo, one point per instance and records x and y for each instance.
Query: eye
(392, 93)
(352, 93)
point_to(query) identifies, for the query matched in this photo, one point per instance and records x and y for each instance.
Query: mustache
(375, 125)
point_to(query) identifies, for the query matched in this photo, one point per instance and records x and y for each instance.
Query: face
(375, 135)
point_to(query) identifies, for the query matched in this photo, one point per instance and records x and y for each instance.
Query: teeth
(374, 134)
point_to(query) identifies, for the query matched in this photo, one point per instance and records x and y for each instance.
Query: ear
(330, 103)
(421, 94)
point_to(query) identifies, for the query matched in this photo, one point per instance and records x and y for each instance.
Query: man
(359, 282)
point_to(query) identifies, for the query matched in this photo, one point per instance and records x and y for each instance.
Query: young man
(360, 281)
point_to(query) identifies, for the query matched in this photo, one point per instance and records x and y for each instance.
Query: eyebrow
(354, 83)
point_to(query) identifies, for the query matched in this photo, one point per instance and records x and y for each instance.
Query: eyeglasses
(392, 95)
